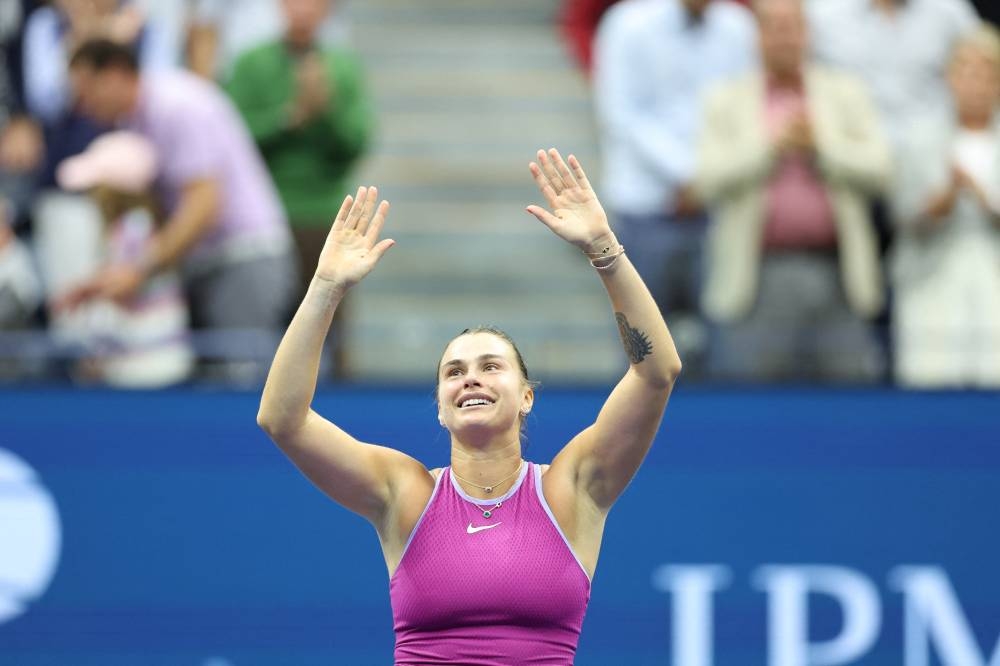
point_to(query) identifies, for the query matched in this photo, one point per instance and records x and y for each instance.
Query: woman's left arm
(602, 459)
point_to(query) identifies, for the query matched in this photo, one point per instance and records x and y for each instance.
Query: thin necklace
(487, 511)
(489, 489)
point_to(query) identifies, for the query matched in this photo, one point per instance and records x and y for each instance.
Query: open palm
(352, 247)
(576, 215)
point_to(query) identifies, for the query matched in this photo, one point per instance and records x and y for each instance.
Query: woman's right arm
(361, 477)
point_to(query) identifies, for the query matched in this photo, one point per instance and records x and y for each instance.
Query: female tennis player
(490, 559)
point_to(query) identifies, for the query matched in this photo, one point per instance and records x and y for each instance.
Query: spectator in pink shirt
(788, 157)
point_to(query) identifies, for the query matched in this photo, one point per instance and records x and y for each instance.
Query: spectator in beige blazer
(787, 159)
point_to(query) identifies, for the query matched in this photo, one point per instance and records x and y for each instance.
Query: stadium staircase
(466, 92)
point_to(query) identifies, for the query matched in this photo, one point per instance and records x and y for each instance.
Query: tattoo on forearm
(637, 344)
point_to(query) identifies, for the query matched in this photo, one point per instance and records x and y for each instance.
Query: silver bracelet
(609, 251)
(613, 257)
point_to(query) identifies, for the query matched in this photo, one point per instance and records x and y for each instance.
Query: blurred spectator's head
(974, 74)
(695, 7)
(105, 79)
(77, 11)
(117, 169)
(783, 36)
(121, 160)
(303, 18)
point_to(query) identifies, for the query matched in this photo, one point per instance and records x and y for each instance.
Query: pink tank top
(488, 591)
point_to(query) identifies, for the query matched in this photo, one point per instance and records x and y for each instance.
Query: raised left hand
(577, 216)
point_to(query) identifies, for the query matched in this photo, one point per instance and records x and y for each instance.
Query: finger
(543, 184)
(550, 173)
(356, 208)
(555, 181)
(579, 174)
(381, 247)
(561, 167)
(367, 210)
(544, 216)
(375, 228)
(338, 222)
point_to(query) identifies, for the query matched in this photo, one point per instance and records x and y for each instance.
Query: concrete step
(452, 12)
(443, 178)
(455, 130)
(509, 257)
(467, 46)
(393, 335)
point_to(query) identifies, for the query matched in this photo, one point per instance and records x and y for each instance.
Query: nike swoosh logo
(472, 530)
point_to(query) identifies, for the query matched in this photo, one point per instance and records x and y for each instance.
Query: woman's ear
(528, 401)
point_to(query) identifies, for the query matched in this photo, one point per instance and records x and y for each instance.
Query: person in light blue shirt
(51, 32)
(900, 48)
(653, 60)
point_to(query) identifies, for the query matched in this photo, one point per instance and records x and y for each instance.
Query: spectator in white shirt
(946, 264)
(900, 48)
(653, 59)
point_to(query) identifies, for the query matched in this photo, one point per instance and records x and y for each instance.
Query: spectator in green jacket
(306, 107)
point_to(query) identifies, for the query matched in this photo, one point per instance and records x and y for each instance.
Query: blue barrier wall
(186, 538)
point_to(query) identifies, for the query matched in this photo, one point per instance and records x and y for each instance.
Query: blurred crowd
(167, 168)
(810, 188)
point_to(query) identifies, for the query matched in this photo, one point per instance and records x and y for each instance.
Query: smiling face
(481, 385)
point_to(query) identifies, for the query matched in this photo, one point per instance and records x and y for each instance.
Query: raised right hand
(352, 247)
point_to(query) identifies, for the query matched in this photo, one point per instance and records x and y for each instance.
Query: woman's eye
(492, 366)
(454, 372)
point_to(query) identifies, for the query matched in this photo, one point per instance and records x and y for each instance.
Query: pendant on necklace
(489, 512)
(488, 489)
